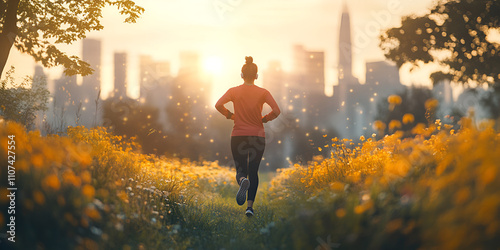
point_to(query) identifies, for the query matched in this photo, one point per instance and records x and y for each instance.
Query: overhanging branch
(9, 26)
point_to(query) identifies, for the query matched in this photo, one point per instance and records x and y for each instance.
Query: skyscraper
(345, 47)
(355, 102)
(66, 104)
(91, 53)
(443, 92)
(91, 84)
(382, 79)
(346, 92)
(190, 76)
(274, 81)
(190, 63)
(120, 89)
(152, 74)
(309, 70)
(155, 84)
(299, 59)
(39, 81)
(316, 71)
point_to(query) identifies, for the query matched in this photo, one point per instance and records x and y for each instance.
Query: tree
(36, 27)
(412, 102)
(485, 103)
(188, 115)
(490, 102)
(457, 34)
(129, 118)
(22, 101)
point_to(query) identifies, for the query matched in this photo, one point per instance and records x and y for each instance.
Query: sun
(213, 65)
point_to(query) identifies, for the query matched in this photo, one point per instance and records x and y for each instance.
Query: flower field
(437, 188)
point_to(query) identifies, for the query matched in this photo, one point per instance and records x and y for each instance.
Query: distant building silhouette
(316, 71)
(468, 101)
(382, 75)
(274, 81)
(190, 64)
(188, 109)
(39, 72)
(152, 73)
(120, 76)
(66, 103)
(306, 94)
(345, 48)
(382, 80)
(155, 83)
(346, 92)
(356, 103)
(91, 84)
(38, 77)
(309, 70)
(78, 105)
(443, 92)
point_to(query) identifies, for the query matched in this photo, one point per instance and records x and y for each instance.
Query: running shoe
(249, 212)
(241, 196)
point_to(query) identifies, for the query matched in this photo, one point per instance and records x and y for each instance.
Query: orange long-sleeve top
(248, 100)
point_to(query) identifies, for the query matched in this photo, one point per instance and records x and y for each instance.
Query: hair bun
(248, 60)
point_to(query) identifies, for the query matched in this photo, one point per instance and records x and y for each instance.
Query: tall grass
(90, 189)
(438, 189)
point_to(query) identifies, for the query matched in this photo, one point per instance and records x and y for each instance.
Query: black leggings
(247, 154)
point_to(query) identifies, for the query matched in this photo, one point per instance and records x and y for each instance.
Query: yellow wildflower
(408, 118)
(394, 99)
(379, 125)
(340, 212)
(88, 191)
(39, 197)
(394, 124)
(431, 104)
(52, 181)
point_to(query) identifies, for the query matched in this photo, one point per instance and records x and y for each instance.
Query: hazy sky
(226, 31)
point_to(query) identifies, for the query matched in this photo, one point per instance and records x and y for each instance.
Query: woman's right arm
(220, 105)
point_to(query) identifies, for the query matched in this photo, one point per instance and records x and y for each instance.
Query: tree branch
(9, 25)
(9, 31)
(3, 7)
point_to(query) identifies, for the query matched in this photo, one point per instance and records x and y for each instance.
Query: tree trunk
(9, 32)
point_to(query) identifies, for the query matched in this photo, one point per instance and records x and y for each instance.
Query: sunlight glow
(213, 65)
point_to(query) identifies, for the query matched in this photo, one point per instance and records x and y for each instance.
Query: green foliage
(412, 102)
(93, 190)
(438, 190)
(188, 115)
(454, 34)
(21, 101)
(41, 25)
(129, 118)
(219, 222)
(491, 101)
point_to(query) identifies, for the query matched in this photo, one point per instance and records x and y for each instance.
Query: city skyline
(205, 32)
(250, 124)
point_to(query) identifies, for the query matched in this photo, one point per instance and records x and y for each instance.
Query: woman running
(248, 136)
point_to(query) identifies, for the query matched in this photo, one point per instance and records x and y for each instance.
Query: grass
(220, 222)
(214, 220)
(90, 189)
